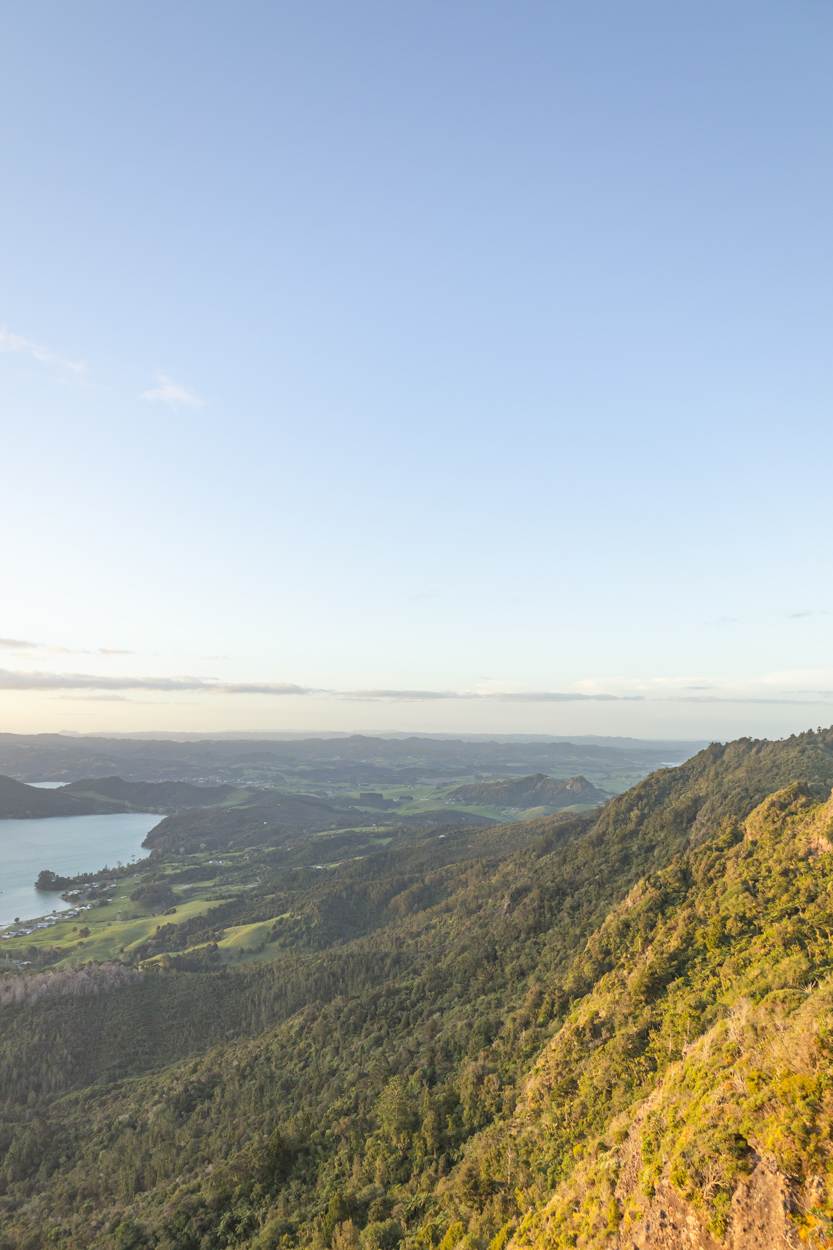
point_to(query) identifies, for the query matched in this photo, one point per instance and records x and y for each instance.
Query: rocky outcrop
(759, 1219)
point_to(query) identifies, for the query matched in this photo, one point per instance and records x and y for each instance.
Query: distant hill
(538, 790)
(354, 760)
(110, 794)
(268, 816)
(19, 801)
(150, 796)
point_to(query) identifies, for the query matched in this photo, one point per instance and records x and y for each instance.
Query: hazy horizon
(651, 722)
(278, 735)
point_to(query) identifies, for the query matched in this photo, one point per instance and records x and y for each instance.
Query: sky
(451, 367)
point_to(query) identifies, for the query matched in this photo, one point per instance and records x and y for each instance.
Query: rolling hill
(17, 800)
(151, 796)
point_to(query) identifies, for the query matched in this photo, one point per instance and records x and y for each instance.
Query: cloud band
(95, 685)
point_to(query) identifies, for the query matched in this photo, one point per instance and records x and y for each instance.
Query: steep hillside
(538, 790)
(603, 1030)
(687, 1099)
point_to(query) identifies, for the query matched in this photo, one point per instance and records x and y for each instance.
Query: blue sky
(478, 351)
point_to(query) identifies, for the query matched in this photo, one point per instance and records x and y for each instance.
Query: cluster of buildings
(45, 922)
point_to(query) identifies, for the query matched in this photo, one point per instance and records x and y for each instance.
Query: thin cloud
(405, 695)
(82, 650)
(801, 698)
(561, 696)
(254, 687)
(16, 344)
(29, 680)
(96, 698)
(801, 614)
(28, 644)
(174, 394)
(497, 696)
(109, 698)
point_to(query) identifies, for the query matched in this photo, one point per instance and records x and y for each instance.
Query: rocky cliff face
(760, 1218)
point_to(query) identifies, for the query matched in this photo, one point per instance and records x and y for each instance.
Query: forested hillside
(608, 1029)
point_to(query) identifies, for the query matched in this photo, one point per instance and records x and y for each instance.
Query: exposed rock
(760, 1209)
(669, 1224)
(759, 1219)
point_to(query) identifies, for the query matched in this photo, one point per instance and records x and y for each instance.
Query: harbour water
(67, 845)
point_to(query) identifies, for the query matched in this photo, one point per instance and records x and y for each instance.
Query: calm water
(66, 844)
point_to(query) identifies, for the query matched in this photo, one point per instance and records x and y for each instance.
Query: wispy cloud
(28, 644)
(407, 696)
(96, 698)
(255, 687)
(30, 680)
(16, 344)
(798, 698)
(92, 697)
(174, 394)
(559, 696)
(494, 696)
(166, 390)
(800, 614)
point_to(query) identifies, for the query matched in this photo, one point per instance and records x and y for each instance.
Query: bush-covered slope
(566, 1032)
(700, 1063)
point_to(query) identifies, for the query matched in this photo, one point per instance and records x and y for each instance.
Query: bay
(67, 845)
